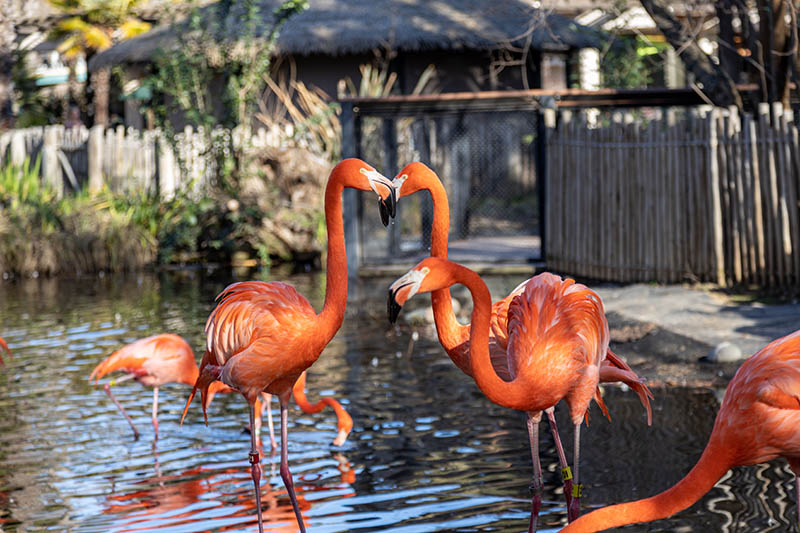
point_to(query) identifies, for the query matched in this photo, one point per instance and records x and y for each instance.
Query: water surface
(428, 451)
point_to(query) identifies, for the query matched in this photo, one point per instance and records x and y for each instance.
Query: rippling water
(428, 452)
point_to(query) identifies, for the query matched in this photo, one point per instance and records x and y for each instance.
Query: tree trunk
(101, 83)
(716, 84)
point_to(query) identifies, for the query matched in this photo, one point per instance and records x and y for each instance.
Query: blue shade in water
(428, 451)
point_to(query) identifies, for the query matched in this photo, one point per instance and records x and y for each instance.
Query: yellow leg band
(566, 474)
(112, 382)
(577, 491)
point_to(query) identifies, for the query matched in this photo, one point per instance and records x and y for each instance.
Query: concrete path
(705, 316)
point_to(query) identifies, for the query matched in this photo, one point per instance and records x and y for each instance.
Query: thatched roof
(338, 27)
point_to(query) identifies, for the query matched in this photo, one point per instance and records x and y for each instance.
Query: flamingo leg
(538, 484)
(255, 467)
(107, 388)
(270, 423)
(575, 506)
(566, 473)
(285, 474)
(155, 411)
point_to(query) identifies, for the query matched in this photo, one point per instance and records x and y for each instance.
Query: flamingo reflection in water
(6, 348)
(158, 504)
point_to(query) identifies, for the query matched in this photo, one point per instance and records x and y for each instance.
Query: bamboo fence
(699, 194)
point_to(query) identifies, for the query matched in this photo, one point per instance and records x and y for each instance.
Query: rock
(724, 352)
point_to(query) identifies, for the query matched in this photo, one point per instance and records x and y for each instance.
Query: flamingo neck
(451, 333)
(332, 314)
(713, 464)
(511, 394)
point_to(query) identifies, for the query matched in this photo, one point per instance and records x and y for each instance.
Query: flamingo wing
(252, 329)
(499, 320)
(557, 339)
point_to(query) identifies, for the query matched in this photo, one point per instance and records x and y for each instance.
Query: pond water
(428, 452)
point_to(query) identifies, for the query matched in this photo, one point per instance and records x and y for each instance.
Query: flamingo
(261, 336)
(153, 361)
(759, 420)
(455, 337)
(168, 358)
(557, 339)
(6, 348)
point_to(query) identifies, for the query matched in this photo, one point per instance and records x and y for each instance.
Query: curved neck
(332, 313)
(709, 469)
(511, 394)
(451, 333)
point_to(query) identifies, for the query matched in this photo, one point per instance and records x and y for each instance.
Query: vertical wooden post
(165, 181)
(352, 220)
(716, 206)
(96, 178)
(18, 148)
(51, 170)
(390, 168)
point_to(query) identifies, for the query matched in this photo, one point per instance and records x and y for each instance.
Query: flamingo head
(414, 177)
(387, 195)
(429, 275)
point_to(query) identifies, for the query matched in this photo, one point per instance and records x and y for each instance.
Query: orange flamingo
(557, 339)
(152, 361)
(168, 358)
(262, 336)
(759, 420)
(455, 337)
(6, 348)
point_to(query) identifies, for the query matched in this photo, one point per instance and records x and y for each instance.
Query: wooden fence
(125, 160)
(695, 193)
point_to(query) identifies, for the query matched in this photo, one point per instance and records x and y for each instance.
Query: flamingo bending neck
(713, 464)
(514, 394)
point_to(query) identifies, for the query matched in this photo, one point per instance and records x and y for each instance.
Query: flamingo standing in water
(168, 358)
(557, 339)
(759, 420)
(455, 337)
(6, 348)
(262, 336)
(152, 361)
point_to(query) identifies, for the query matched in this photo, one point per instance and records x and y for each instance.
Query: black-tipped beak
(392, 307)
(388, 207)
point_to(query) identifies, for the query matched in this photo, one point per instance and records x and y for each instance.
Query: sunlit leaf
(133, 27)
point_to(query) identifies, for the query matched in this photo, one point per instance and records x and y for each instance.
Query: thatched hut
(475, 45)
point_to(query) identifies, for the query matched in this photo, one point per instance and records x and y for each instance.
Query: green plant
(21, 184)
(187, 79)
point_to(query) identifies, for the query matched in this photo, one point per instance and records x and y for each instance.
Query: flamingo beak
(392, 307)
(401, 290)
(387, 195)
(388, 206)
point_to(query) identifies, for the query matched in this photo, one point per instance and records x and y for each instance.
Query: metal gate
(485, 152)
